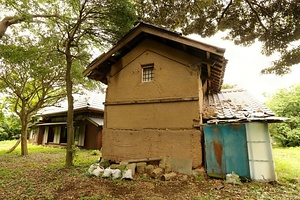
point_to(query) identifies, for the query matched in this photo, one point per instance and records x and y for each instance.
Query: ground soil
(39, 177)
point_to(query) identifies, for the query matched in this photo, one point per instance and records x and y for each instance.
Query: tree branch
(225, 10)
(10, 20)
(256, 14)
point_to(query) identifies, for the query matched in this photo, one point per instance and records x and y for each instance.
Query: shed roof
(236, 105)
(213, 65)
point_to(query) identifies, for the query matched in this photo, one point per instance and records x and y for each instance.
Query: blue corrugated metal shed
(236, 136)
(226, 150)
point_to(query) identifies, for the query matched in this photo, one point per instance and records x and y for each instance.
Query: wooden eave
(99, 67)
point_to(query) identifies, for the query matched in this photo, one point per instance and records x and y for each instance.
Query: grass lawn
(42, 175)
(287, 163)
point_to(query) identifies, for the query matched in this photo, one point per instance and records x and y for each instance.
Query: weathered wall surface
(173, 76)
(152, 119)
(121, 145)
(153, 115)
(91, 135)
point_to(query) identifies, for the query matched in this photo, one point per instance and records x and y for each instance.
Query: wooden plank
(200, 98)
(146, 101)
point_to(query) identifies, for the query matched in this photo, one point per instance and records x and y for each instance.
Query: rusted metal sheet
(226, 150)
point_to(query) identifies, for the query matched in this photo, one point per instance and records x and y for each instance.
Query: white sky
(244, 66)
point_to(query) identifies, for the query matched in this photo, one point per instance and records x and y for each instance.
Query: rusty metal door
(226, 150)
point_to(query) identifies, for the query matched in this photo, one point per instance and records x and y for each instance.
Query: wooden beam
(147, 101)
(207, 55)
(200, 98)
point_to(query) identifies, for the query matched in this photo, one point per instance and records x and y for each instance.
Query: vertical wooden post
(200, 95)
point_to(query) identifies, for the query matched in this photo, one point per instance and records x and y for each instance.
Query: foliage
(275, 23)
(10, 128)
(229, 86)
(32, 77)
(286, 103)
(74, 29)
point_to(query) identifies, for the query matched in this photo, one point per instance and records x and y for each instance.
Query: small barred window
(148, 72)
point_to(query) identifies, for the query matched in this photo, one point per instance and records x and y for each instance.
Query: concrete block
(162, 163)
(122, 165)
(114, 166)
(149, 169)
(141, 167)
(156, 172)
(132, 167)
(181, 165)
(168, 176)
(168, 168)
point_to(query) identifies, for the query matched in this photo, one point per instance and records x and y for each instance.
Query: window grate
(148, 73)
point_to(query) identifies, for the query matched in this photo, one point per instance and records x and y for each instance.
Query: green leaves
(286, 103)
(275, 23)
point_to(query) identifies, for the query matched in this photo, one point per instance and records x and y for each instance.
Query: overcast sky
(244, 66)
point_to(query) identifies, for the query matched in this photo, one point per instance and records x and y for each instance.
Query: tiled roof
(234, 105)
(92, 100)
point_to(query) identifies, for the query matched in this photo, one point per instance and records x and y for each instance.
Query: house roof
(92, 102)
(213, 65)
(95, 121)
(236, 105)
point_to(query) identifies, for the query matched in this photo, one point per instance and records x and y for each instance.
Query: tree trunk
(24, 123)
(24, 148)
(14, 147)
(70, 138)
(3, 27)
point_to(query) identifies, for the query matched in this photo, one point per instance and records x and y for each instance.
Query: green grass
(287, 160)
(42, 175)
(287, 163)
(82, 157)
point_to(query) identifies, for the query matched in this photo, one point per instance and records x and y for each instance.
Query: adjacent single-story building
(51, 128)
(236, 136)
(162, 91)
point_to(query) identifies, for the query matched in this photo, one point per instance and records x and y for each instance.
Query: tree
(275, 23)
(229, 86)
(286, 103)
(10, 127)
(32, 79)
(78, 26)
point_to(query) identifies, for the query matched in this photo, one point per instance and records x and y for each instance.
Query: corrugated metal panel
(260, 152)
(226, 150)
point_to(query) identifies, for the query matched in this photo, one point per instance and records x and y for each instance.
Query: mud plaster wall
(140, 144)
(134, 130)
(174, 75)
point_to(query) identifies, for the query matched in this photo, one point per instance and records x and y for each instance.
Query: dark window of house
(63, 135)
(50, 134)
(148, 72)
